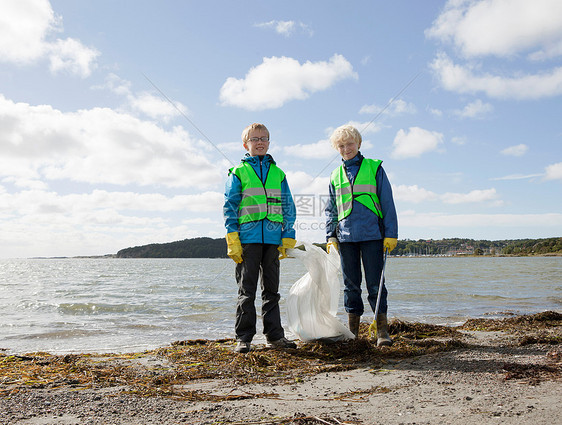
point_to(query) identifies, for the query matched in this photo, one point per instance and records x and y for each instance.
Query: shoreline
(502, 370)
(114, 256)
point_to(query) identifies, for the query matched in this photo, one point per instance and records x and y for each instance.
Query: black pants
(258, 259)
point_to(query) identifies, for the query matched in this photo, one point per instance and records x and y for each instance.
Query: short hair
(254, 126)
(345, 132)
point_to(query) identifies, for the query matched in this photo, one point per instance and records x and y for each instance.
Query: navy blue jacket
(362, 224)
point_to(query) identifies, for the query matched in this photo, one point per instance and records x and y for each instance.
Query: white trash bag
(313, 300)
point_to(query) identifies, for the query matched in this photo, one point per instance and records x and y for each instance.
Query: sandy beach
(486, 371)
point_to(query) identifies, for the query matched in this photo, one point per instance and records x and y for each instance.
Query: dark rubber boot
(354, 323)
(383, 338)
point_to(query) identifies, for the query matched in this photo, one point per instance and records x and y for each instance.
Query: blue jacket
(362, 225)
(263, 231)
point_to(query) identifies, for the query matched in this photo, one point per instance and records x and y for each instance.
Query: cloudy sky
(119, 120)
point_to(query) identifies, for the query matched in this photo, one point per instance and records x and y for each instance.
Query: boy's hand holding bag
(332, 244)
(286, 243)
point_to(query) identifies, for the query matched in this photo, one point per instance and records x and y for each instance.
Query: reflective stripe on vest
(363, 190)
(259, 200)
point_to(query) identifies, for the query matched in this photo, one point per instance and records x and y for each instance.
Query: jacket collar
(255, 160)
(356, 160)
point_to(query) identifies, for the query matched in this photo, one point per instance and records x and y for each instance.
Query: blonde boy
(361, 223)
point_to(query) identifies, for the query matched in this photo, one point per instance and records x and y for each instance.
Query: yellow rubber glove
(286, 243)
(389, 244)
(234, 247)
(332, 244)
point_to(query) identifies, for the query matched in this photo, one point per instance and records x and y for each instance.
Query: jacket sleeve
(232, 199)
(289, 211)
(331, 212)
(390, 219)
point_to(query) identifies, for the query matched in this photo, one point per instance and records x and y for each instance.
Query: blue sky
(120, 119)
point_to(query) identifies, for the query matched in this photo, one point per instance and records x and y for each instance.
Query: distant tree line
(459, 246)
(216, 248)
(534, 246)
(188, 248)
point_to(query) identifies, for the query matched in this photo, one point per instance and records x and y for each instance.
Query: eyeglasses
(257, 139)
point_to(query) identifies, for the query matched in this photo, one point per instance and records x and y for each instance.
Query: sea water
(125, 305)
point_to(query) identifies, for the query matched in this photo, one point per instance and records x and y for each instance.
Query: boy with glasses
(259, 215)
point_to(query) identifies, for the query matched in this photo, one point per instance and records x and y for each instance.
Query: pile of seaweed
(540, 328)
(301, 419)
(168, 371)
(546, 319)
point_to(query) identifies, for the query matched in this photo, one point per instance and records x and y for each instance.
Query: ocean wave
(104, 308)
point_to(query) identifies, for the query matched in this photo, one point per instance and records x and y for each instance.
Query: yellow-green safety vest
(259, 200)
(363, 189)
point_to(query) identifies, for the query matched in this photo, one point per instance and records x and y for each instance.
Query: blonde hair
(345, 132)
(254, 126)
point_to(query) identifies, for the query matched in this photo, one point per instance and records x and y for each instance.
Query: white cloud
(475, 109)
(43, 201)
(303, 183)
(122, 201)
(44, 223)
(413, 194)
(463, 80)
(233, 147)
(395, 108)
(458, 140)
(517, 150)
(156, 107)
(278, 80)
(527, 225)
(152, 106)
(97, 146)
(518, 177)
(115, 84)
(319, 150)
(365, 128)
(70, 55)
(309, 194)
(25, 27)
(415, 142)
(435, 112)
(504, 29)
(416, 195)
(501, 28)
(286, 28)
(26, 183)
(554, 172)
(471, 197)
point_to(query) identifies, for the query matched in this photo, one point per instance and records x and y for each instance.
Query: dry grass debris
(167, 370)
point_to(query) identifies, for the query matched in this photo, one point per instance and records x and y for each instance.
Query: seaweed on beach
(533, 374)
(175, 366)
(170, 371)
(418, 330)
(546, 319)
(171, 368)
(44, 370)
(540, 339)
(301, 419)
